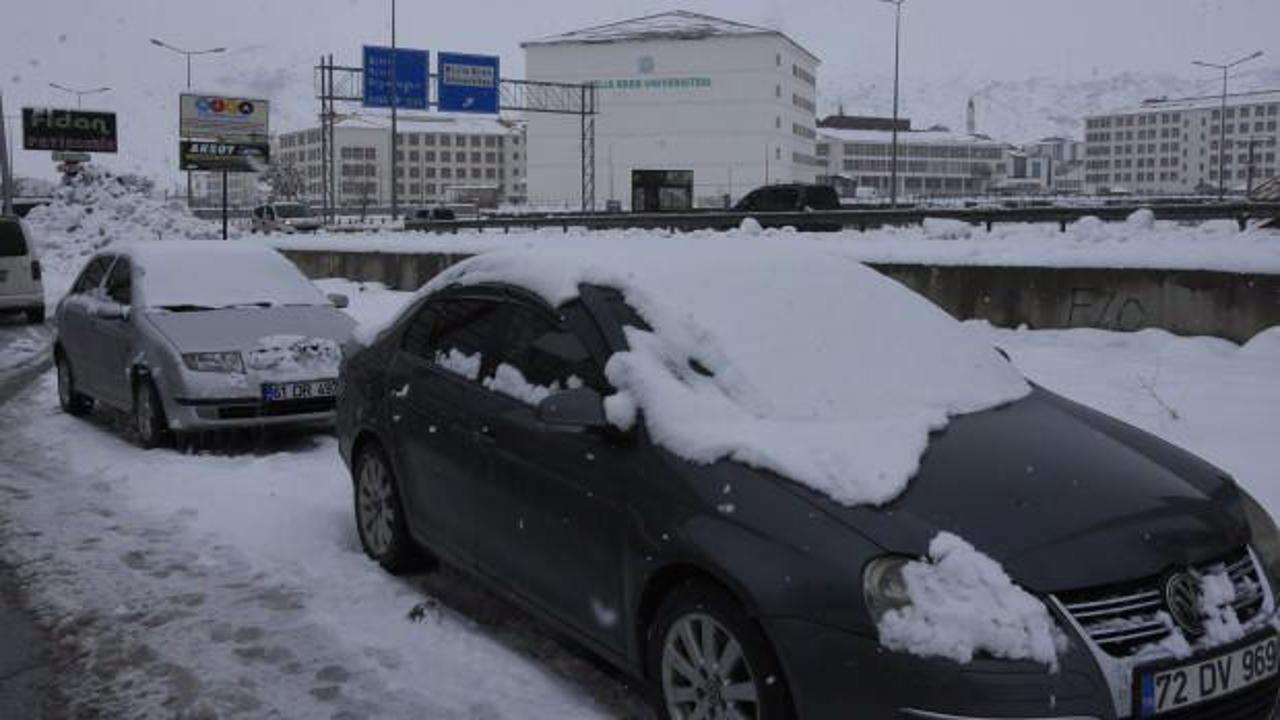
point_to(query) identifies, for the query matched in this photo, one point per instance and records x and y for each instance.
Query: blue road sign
(411, 77)
(467, 83)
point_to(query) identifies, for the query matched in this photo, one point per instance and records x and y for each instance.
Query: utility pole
(1222, 118)
(395, 145)
(897, 46)
(6, 171)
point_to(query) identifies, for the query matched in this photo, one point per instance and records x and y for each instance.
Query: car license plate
(307, 390)
(1207, 679)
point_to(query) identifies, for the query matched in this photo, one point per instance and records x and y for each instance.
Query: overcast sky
(272, 43)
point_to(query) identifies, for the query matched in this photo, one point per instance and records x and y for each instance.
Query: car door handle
(485, 435)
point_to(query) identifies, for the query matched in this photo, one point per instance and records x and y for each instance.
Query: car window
(453, 334)
(545, 352)
(91, 276)
(12, 243)
(120, 282)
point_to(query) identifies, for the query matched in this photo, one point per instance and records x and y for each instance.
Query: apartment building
(857, 152)
(440, 159)
(1172, 146)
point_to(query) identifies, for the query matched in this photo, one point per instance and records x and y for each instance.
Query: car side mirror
(580, 408)
(107, 310)
(339, 300)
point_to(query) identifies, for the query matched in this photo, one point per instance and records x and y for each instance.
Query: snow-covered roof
(462, 124)
(1206, 102)
(914, 137)
(843, 402)
(672, 25)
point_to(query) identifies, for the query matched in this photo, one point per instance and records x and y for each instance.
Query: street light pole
(395, 145)
(78, 93)
(1222, 117)
(897, 46)
(188, 54)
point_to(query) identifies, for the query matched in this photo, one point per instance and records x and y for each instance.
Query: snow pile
(963, 603)
(1265, 344)
(945, 229)
(509, 381)
(774, 355)
(294, 355)
(98, 209)
(1217, 598)
(456, 361)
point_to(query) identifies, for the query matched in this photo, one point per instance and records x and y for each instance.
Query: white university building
(733, 103)
(1171, 146)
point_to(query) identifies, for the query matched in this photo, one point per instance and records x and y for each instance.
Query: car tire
(742, 677)
(72, 402)
(35, 315)
(379, 513)
(150, 427)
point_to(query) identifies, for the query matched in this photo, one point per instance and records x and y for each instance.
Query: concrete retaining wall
(1233, 306)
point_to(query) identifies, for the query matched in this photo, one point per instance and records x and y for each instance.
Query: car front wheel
(72, 402)
(148, 414)
(380, 519)
(712, 661)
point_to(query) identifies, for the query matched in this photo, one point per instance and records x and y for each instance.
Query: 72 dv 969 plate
(1209, 678)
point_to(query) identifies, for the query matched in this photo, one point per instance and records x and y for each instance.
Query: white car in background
(189, 336)
(21, 287)
(285, 217)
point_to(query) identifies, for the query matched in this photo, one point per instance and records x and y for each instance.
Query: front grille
(1123, 618)
(1252, 703)
(276, 409)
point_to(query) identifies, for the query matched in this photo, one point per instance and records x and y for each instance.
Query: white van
(21, 289)
(285, 217)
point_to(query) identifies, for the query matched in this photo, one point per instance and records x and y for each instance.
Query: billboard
(411, 77)
(467, 83)
(68, 130)
(218, 117)
(223, 156)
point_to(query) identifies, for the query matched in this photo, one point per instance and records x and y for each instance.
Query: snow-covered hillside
(1020, 111)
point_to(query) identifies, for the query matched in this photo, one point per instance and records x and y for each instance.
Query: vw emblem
(1182, 596)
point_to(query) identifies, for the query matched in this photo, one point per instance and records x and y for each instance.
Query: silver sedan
(199, 335)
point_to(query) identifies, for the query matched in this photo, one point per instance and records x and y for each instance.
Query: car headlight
(216, 362)
(1264, 538)
(883, 586)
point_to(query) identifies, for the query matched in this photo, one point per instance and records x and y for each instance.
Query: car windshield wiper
(186, 308)
(258, 304)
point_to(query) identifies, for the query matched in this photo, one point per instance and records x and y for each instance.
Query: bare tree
(285, 180)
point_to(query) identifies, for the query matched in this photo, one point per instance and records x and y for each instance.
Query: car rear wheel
(72, 402)
(712, 661)
(149, 424)
(35, 315)
(380, 519)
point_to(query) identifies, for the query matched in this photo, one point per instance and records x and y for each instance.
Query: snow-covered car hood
(1062, 496)
(252, 329)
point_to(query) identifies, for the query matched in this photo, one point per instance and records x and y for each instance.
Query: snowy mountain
(1019, 111)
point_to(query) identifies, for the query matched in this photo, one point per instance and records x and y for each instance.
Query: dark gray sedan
(201, 335)
(483, 427)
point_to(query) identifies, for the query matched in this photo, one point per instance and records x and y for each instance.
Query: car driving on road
(730, 470)
(21, 287)
(285, 217)
(188, 336)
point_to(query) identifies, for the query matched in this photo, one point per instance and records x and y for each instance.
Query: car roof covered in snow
(820, 368)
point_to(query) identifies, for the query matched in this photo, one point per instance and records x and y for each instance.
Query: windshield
(195, 276)
(292, 211)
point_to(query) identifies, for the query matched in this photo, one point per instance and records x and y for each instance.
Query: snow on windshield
(784, 357)
(217, 274)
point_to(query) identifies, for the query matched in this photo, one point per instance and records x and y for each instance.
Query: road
(26, 655)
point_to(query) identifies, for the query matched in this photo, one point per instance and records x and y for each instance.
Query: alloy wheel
(376, 506)
(705, 675)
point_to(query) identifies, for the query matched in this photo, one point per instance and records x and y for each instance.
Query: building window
(429, 155)
(446, 156)
(413, 155)
(429, 172)
(413, 139)
(475, 156)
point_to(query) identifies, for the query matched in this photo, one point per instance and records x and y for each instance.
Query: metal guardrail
(1240, 212)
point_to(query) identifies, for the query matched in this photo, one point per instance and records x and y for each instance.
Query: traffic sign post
(467, 83)
(410, 78)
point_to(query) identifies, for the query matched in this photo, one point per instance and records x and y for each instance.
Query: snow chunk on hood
(786, 357)
(295, 355)
(962, 603)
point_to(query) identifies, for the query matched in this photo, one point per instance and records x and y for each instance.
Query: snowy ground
(231, 582)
